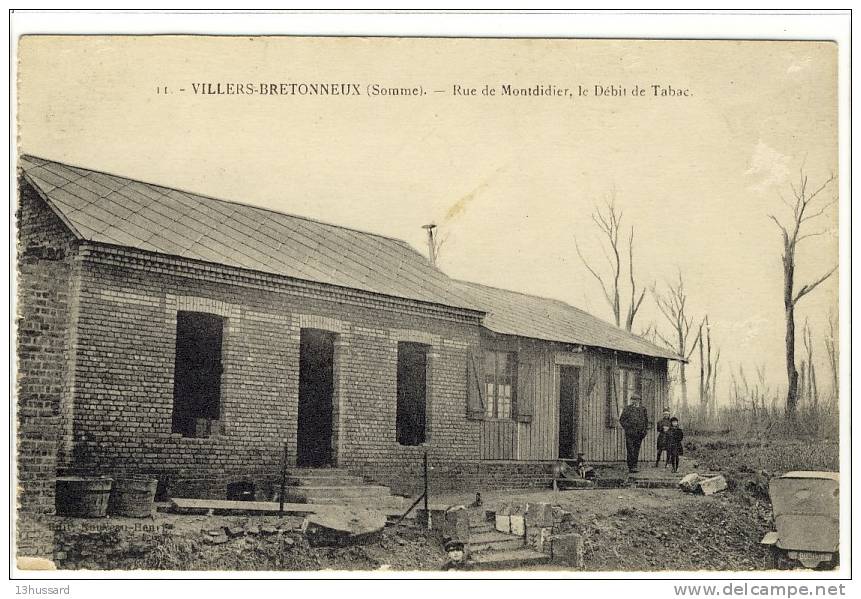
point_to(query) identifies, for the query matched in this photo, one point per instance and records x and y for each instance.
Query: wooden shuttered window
(525, 386)
(475, 400)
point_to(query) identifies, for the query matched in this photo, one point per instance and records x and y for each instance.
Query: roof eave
(472, 312)
(57, 212)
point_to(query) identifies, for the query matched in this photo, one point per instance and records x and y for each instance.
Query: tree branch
(805, 289)
(594, 273)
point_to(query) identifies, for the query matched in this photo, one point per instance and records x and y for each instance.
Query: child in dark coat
(663, 428)
(674, 443)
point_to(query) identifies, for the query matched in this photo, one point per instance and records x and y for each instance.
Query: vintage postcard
(302, 304)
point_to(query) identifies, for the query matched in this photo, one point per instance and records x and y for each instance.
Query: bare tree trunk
(789, 306)
(812, 393)
(683, 381)
(702, 375)
(802, 212)
(831, 349)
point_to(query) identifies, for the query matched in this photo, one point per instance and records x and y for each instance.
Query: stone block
(539, 515)
(712, 485)
(538, 538)
(690, 483)
(457, 524)
(568, 550)
(518, 525)
(503, 524)
(343, 526)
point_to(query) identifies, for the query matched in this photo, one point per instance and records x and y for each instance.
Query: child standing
(674, 443)
(663, 427)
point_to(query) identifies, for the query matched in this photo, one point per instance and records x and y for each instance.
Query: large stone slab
(712, 485)
(343, 526)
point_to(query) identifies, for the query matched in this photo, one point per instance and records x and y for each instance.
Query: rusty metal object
(806, 507)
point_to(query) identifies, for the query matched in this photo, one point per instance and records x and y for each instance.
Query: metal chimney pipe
(431, 245)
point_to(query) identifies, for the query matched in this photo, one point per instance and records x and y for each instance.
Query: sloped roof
(512, 313)
(108, 209)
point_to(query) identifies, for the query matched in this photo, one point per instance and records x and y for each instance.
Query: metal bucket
(133, 497)
(82, 497)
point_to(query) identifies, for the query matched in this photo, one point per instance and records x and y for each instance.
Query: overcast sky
(511, 181)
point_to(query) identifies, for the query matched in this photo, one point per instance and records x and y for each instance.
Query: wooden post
(283, 482)
(427, 512)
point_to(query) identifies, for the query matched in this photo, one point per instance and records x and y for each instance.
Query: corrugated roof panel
(110, 209)
(124, 238)
(46, 174)
(62, 170)
(512, 313)
(69, 199)
(87, 183)
(165, 245)
(156, 218)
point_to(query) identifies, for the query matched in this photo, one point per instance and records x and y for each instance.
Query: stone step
(507, 560)
(310, 494)
(490, 537)
(508, 544)
(475, 529)
(323, 480)
(300, 472)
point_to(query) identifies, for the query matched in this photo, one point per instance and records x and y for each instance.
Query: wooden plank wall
(498, 440)
(597, 441)
(538, 384)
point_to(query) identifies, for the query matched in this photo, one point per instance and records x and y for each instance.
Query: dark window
(412, 393)
(197, 373)
(500, 383)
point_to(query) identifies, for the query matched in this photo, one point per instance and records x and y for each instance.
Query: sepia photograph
(380, 304)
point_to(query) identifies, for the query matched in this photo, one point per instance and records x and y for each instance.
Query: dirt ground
(182, 542)
(630, 529)
(635, 529)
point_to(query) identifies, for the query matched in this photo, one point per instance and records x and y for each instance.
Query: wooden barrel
(133, 497)
(82, 497)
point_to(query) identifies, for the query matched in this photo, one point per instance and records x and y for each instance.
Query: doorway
(316, 385)
(410, 421)
(569, 383)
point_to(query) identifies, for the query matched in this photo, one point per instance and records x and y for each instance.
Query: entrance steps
(336, 486)
(490, 549)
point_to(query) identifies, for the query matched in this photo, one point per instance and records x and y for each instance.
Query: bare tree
(804, 209)
(609, 223)
(708, 369)
(810, 392)
(673, 305)
(831, 350)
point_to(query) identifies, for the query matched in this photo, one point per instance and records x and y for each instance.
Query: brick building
(189, 338)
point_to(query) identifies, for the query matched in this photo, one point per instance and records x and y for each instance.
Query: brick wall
(468, 475)
(46, 260)
(123, 374)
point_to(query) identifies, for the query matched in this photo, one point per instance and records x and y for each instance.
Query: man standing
(635, 421)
